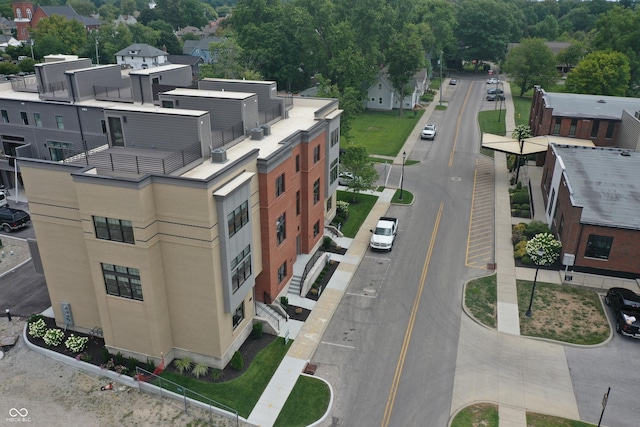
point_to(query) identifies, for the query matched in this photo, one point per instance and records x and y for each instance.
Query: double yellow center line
(407, 336)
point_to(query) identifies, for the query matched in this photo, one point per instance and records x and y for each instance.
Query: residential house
(125, 19)
(27, 16)
(190, 29)
(591, 204)
(155, 215)
(201, 48)
(192, 61)
(7, 26)
(381, 95)
(140, 56)
(6, 41)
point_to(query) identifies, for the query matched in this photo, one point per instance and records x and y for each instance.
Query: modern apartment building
(165, 213)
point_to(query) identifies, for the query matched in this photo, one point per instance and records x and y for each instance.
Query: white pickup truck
(384, 233)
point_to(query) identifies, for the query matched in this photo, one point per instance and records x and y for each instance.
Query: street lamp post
(404, 156)
(441, 78)
(535, 279)
(97, 57)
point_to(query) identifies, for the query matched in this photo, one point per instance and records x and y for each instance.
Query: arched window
(19, 13)
(29, 16)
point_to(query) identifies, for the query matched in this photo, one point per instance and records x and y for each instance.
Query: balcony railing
(106, 93)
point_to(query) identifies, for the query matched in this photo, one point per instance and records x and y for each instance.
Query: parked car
(494, 91)
(13, 219)
(345, 178)
(429, 132)
(453, 82)
(495, 97)
(492, 81)
(3, 199)
(626, 308)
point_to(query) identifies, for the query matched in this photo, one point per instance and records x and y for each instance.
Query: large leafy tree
(485, 27)
(356, 161)
(441, 18)
(110, 40)
(230, 62)
(619, 30)
(531, 63)
(166, 37)
(56, 34)
(404, 58)
(572, 54)
(601, 73)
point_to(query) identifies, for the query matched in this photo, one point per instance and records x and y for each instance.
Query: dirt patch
(12, 253)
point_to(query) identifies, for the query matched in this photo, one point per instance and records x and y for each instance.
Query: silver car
(429, 132)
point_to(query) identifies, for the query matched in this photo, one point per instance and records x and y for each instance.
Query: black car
(626, 308)
(494, 91)
(495, 97)
(13, 219)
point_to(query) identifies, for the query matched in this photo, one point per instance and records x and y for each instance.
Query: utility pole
(97, 57)
(441, 78)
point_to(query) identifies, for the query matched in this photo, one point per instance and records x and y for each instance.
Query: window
(103, 124)
(297, 203)
(572, 129)
(282, 272)
(594, 128)
(379, 86)
(167, 104)
(298, 163)
(238, 218)
(281, 228)
(380, 101)
(238, 315)
(240, 268)
(316, 154)
(24, 117)
(279, 185)
(316, 228)
(59, 122)
(122, 281)
(561, 226)
(57, 150)
(556, 127)
(333, 171)
(316, 191)
(610, 128)
(37, 119)
(335, 137)
(5, 116)
(329, 203)
(550, 201)
(115, 128)
(19, 13)
(598, 246)
(29, 16)
(117, 230)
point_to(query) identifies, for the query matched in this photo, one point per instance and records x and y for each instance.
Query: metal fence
(117, 93)
(227, 135)
(307, 268)
(194, 404)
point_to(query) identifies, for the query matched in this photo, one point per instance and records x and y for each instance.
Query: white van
(3, 199)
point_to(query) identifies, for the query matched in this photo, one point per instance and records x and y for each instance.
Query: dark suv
(626, 307)
(13, 219)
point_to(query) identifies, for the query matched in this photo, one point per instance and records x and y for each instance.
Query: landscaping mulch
(330, 268)
(335, 249)
(302, 316)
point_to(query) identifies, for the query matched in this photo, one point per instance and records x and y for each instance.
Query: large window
(594, 128)
(5, 116)
(333, 171)
(316, 191)
(316, 228)
(281, 228)
(37, 119)
(335, 137)
(241, 268)
(282, 272)
(298, 163)
(556, 126)
(118, 230)
(57, 150)
(572, 128)
(59, 122)
(238, 218)
(238, 315)
(610, 128)
(279, 185)
(316, 154)
(122, 281)
(24, 117)
(598, 246)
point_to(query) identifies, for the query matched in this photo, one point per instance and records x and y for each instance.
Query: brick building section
(566, 225)
(542, 122)
(299, 227)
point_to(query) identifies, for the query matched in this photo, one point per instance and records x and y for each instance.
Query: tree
(230, 62)
(56, 34)
(166, 37)
(601, 73)
(27, 65)
(404, 58)
(532, 63)
(571, 55)
(143, 34)
(545, 29)
(350, 100)
(127, 7)
(8, 68)
(108, 12)
(356, 161)
(83, 7)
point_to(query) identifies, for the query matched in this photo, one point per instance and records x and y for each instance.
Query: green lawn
(358, 211)
(523, 109)
(489, 123)
(480, 297)
(242, 393)
(383, 132)
(486, 414)
(407, 197)
(307, 402)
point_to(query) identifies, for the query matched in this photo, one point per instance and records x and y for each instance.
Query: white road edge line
(337, 345)
(361, 295)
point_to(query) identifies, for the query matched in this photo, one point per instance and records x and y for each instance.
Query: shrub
(200, 370)
(519, 185)
(76, 344)
(216, 374)
(525, 207)
(183, 365)
(536, 227)
(105, 355)
(34, 318)
(524, 214)
(132, 363)
(326, 242)
(237, 362)
(342, 210)
(37, 328)
(85, 357)
(520, 249)
(53, 337)
(120, 359)
(284, 301)
(526, 260)
(520, 197)
(151, 365)
(518, 232)
(257, 330)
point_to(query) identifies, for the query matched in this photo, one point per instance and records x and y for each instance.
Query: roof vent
(266, 129)
(601, 101)
(625, 153)
(257, 134)
(218, 155)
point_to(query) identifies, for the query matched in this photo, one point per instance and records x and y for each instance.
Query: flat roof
(590, 106)
(605, 183)
(153, 70)
(301, 117)
(149, 108)
(198, 93)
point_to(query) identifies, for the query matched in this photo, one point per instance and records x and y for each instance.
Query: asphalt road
(390, 349)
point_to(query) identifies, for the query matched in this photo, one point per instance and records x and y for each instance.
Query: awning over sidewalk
(537, 144)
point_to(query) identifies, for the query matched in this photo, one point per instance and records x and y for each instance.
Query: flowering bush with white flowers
(37, 328)
(76, 344)
(543, 249)
(53, 337)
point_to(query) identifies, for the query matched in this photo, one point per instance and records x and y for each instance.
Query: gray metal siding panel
(224, 112)
(629, 136)
(53, 72)
(108, 76)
